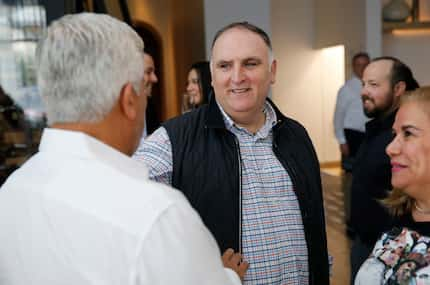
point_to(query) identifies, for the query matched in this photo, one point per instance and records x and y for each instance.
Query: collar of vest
(214, 118)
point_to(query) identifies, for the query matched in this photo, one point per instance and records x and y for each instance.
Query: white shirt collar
(263, 131)
(83, 146)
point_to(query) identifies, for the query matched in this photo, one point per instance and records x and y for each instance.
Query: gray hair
(249, 27)
(84, 60)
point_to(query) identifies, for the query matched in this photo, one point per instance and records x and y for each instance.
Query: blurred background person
(402, 255)
(349, 117)
(349, 125)
(149, 79)
(199, 87)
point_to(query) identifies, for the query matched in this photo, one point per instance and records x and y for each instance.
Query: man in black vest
(250, 172)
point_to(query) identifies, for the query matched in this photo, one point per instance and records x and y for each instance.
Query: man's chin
(148, 91)
(374, 113)
(370, 114)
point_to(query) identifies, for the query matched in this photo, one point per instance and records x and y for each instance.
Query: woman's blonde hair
(398, 202)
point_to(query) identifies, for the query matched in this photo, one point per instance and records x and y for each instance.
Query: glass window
(21, 110)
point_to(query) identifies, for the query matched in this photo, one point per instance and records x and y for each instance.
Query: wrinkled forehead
(239, 43)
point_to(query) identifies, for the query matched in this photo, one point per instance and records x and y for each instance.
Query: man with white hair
(80, 211)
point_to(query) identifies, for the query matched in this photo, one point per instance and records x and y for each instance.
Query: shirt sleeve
(156, 152)
(180, 250)
(339, 114)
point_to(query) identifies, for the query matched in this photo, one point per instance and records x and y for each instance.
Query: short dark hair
(360, 54)
(247, 26)
(400, 72)
(149, 51)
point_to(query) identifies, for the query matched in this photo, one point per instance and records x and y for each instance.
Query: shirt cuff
(233, 276)
(341, 140)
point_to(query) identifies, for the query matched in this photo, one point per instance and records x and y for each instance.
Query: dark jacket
(371, 182)
(207, 169)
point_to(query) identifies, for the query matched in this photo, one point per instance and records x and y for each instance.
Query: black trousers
(353, 139)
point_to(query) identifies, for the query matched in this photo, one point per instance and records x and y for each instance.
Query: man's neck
(77, 127)
(388, 112)
(95, 130)
(251, 123)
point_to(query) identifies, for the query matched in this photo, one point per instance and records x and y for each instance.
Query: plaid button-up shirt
(273, 239)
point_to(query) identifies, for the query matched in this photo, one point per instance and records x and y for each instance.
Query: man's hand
(234, 261)
(344, 149)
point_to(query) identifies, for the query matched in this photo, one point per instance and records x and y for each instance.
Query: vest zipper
(303, 209)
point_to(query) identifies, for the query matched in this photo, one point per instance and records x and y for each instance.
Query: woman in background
(198, 87)
(402, 255)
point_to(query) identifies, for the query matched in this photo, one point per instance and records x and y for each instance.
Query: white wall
(412, 49)
(373, 28)
(219, 13)
(333, 77)
(307, 79)
(340, 22)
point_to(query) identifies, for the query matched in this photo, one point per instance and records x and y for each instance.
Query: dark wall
(57, 8)
(54, 9)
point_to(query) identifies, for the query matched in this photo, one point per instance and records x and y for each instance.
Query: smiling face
(410, 150)
(149, 76)
(137, 117)
(377, 93)
(193, 88)
(241, 74)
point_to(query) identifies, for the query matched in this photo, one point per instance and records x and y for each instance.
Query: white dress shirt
(80, 212)
(349, 112)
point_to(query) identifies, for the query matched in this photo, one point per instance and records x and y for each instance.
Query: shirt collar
(270, 121)
(68, 143)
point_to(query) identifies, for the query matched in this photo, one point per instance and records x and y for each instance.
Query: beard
(375, 111)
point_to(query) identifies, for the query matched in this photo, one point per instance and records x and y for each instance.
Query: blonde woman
(402, 255)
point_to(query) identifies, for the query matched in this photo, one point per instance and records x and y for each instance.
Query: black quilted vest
(207, 169)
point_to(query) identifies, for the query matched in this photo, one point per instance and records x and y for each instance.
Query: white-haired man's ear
(128, 101)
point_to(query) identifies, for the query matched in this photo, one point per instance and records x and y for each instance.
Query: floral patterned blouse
(401, 256)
